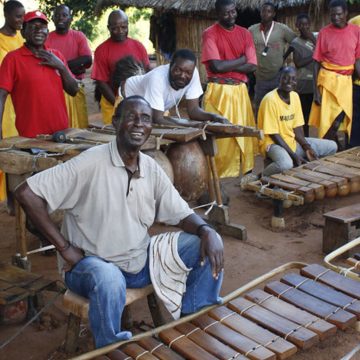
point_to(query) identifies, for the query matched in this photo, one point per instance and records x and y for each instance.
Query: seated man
(281, 118)
(166, 85)
(111, 195)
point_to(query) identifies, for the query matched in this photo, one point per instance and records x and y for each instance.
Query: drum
(163, 161)
(190, 169)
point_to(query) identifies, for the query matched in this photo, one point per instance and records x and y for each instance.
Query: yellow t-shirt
(277, 117)
(9, 43)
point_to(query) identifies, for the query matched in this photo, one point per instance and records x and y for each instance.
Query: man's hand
(213, 248)
(298, 160)
(310, 154)
(49, 59)
(72, 255)
(220, 119)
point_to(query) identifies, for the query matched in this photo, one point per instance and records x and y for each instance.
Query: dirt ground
(263, 250)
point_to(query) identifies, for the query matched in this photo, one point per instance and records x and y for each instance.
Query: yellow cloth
(77, 110)
(232, 102)
(275, 116)
(356, 21)
(8, 43)
(336, 96)
(107, 111)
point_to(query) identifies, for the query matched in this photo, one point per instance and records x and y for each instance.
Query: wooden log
(288, 311)
(323, 292)
(136, 351)
(282, 348)
(341, 318)
(307, 193)
(206, 341)
(160, 350)
(301, 337)
(184, 346)
(240, 343)
(346, 285)
(319, 189)
(329, 186)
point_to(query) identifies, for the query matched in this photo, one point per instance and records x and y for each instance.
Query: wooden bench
(78, 308)
(341, 226)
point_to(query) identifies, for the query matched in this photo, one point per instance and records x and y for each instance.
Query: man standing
(74, 46)
(271, 39)
(228, 54)
(336, 53)
(36, 78)
(108, 54)
(107, 250)
(165, 86)
(281, 118)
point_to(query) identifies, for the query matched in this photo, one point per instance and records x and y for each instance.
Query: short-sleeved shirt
(72, 45)
(338, 46)
(156, 89)
(110, 52)
(105, 215)
(304, 49)
(36, 91)
(275, 116)
(221, 44)
(280, 37)
(9, 43)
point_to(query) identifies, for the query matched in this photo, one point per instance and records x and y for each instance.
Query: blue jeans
(104, 284)
(282, 160)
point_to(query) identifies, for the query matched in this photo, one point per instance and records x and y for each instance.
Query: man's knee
(285, 165)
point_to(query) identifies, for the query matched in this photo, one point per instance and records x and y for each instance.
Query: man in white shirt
(111, 195)
(166, 85)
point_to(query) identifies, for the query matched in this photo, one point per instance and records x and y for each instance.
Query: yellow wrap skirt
(77, 109)
(336, 96)
(232, 102)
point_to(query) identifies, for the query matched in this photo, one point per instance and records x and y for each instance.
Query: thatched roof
(186, 6)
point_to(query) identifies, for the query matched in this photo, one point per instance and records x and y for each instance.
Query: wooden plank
(179, 135)
(345, 215)
(301, 337)
(330, 187)
(206, 341)
(341, 318)
(345, 160)
(354, 263)
(232, 338)
(12, 294)
(281, 347)
(136, 351)
(319, 189)
(307, 193)
(184, 346)
(346, 285)
(117, 355)
(160, 350)
(16, 276)
(323, 292)
(288, 311)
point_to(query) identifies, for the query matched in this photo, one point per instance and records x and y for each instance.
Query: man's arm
(357, 69)
(237, 65)
(299, 137)
(36, 208)
(70, 85)
(278, 140)
(196, 113)
(211, 245)
(79, 64)
(3, 96)
(317, 95)
(106, 91)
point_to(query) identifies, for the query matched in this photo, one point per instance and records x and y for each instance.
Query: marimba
(284, 317)
(336, 175)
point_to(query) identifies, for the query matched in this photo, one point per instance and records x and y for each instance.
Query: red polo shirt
(36, 91)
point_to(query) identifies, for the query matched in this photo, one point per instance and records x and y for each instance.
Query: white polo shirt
(100, 217)
(155, 87)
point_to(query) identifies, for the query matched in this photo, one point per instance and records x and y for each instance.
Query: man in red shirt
(228, 53)
(336, 55)
(74, 46)
(108, 54)
(35, 77)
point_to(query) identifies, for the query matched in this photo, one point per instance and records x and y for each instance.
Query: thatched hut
(180, 23)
